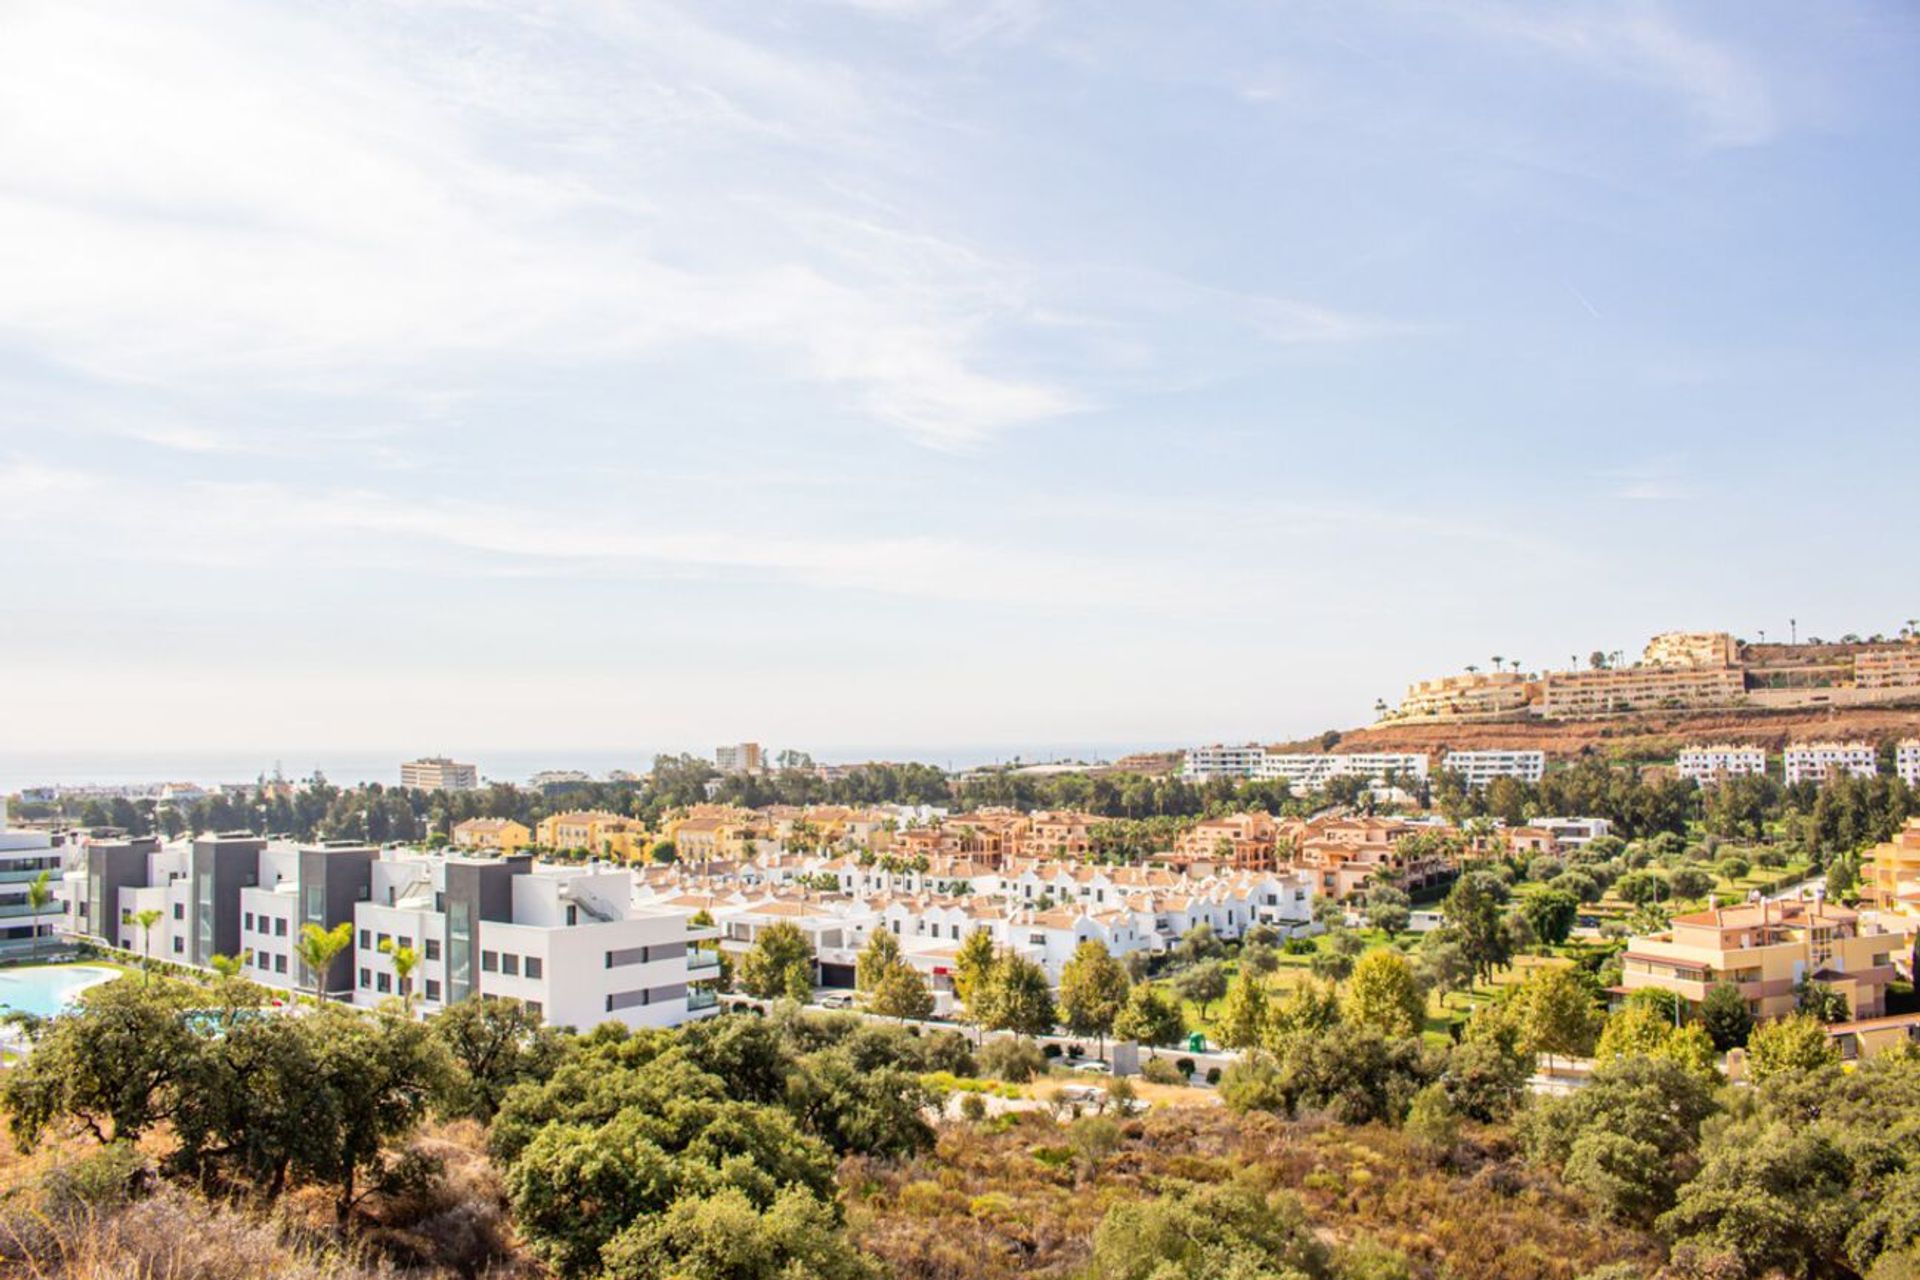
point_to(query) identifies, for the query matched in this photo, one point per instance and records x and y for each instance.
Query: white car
(1095, 1067)
(836, 1000)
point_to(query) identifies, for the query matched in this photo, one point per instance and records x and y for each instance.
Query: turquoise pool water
(47, 991)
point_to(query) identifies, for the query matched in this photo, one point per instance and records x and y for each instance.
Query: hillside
(1645, 737)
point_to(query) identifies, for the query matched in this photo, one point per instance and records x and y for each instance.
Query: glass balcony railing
(702, 998)
(698, 960)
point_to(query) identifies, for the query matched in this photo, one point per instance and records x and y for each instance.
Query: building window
(179, 911)
(279, 964)
(433, 988)
(402, 942)
(510, 964)
(249, 921)
(537, 1009)
(366, 940)
(628, 1000)
(280, 927)
(179, 945)
(381, 941)
(433, 948)
(366, 978)
(535, 967)
(383, 982)
(489, 962)
(628, 955)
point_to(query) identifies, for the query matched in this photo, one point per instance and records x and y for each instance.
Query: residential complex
(1814, 761)
(1890, 877)
(1721, 760)
(598, 832)
(437, 773)
(1679, 671)
(1478, 768)
(571, 942)
(1906, 761)
(1767, 950)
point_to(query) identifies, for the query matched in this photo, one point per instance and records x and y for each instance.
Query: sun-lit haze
(620, 374)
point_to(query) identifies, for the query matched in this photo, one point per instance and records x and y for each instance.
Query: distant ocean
(20, 769)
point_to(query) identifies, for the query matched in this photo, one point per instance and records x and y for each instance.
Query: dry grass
(995, 1205)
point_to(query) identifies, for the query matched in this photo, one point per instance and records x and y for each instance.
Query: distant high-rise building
(740, 757)
(437, 773)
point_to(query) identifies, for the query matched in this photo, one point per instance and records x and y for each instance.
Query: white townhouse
(1572, 833)
(1721, 760)
(1906, 761)
(1814, 761)
(1479, 768)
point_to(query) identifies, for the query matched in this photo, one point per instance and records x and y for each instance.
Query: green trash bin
(1196, 1042)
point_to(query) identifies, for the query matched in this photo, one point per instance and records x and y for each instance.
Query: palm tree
(405, 961)
(317, 949)
(1498, 662)
(146, 920)
(39, 894)
(1472, 669)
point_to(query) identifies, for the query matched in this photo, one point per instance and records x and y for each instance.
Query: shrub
(1213, 1075)
(1014, 1059)
(1299, 946)
(1185, 1066)
(1160, 1071)
(973, 1107)
(1052, 1051)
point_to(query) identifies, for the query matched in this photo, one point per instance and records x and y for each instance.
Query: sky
(598, 373)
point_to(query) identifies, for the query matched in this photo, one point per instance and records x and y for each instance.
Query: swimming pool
(47, 991)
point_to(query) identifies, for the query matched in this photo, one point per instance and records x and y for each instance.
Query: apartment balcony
(19, 875)
(702, 962)
(701, 998)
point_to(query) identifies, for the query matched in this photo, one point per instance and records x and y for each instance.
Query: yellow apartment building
(1691, 649)
(1621, 690)
(1765, 950)
(1481, 693)
(1888, 668)
(600, 833)
(1890, 876)
(494, 835)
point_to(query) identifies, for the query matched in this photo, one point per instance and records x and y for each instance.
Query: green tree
(317, 949)
(1150, 1018)
(901, 993)
(1796, 1043)
(114, 1065)
(780, 962)
(1093, 990)
(1821, 1001)
(876, 959)
(972, 965)
(1313, 1006)
(39, 898)
(1018, 997)
(1775, 1199)
(1558, 1014)
(1725, 1016)
(725, 1236)
(1202, 984)
(1551, 913)
(1225, 1232)
(146, 920)
(1473, 912)
(495, 1044)
(1243, 1018)
(1383, 994)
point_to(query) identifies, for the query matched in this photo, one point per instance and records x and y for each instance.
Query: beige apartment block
(1476, 693)
(1765, 950)
(1622, 690)
(1691, 649)
(1888, 668)
(496, 835)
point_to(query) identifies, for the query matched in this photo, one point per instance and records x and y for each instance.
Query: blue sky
(904, 371)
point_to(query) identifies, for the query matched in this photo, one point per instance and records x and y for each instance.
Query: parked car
(1094, 1067)
(836, 1000)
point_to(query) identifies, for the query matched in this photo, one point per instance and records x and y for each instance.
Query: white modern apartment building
(1481, 767)
(1814, 761)
(740, 757)
(1303, 771)
(24, 857)
(569, 942)
(1300, 770)
(1721, 760)
(1906, 761)
(1572, 833)
(437, 773)
(1219, 761)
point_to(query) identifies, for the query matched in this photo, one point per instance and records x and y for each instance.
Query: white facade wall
(1220, 761)
(1305, 771)
(1812, 762)
(1906, 761)
(1481, 767)
(1704, 764)
(23, 856)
